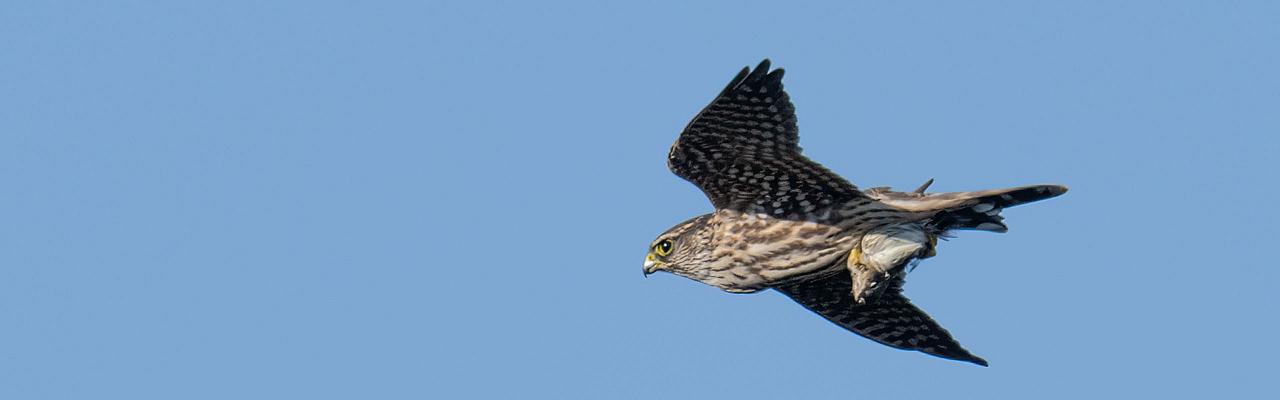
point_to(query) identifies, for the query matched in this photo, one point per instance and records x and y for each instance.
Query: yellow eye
(663, 248)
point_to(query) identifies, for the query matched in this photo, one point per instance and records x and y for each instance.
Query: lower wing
(889, 318)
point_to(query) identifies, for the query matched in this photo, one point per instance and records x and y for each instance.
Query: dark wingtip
(737, 80)
(754, 76)
(958, 354)
(977, 360)
(765, 80)
(776, 75)
(764, 65)
(772, 76)
(760, 72)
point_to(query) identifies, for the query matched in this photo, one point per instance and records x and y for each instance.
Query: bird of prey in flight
(784, 222)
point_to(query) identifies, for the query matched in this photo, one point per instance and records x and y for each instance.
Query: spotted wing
(742, 151)
(889, 318)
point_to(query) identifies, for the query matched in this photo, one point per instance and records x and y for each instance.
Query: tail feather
(979, 210)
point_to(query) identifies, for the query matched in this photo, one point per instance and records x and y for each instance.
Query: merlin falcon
(785, 222)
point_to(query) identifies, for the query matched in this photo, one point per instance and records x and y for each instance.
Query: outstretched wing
(742, 151)
(890, 318)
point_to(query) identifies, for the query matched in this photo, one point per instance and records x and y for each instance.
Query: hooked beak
(650, 265)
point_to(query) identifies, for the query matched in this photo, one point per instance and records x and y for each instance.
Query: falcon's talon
(783, 221)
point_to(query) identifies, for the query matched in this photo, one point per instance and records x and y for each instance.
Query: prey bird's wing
(742, 151)
(889, 318)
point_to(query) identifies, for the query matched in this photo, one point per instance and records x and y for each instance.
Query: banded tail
(977, 210)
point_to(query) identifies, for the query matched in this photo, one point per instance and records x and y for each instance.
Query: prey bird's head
(682, 249)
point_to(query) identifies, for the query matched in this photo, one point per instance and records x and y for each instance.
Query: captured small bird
(784, 222)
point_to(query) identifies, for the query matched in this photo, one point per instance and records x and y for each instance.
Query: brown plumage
(785, 222)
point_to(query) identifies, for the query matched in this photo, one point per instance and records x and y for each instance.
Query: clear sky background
(452, 200)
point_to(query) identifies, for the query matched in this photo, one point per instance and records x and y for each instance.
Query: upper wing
(742, 151)
(889, 318)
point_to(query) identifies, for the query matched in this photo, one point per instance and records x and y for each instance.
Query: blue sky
(453, 200)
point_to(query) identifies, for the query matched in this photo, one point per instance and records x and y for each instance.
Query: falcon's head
(681, 249)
